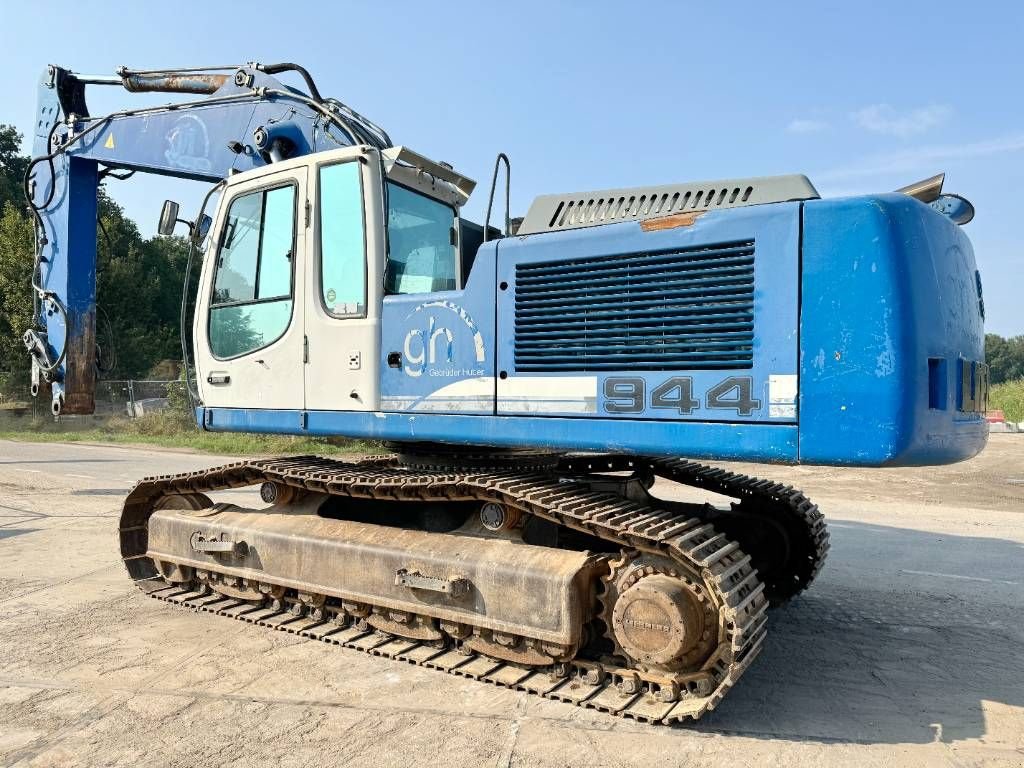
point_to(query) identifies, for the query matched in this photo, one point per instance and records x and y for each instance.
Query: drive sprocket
(658, 615)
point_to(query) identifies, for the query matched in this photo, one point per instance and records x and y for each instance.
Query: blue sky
(861, 97)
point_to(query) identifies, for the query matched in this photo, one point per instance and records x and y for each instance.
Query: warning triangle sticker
(110, 141)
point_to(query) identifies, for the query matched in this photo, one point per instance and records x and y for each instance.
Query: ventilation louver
(550, 213)
(689, 309)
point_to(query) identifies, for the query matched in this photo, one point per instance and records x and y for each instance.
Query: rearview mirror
(168, 218)
(201, 229)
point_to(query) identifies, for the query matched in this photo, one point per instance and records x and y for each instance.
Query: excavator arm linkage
(246, 119)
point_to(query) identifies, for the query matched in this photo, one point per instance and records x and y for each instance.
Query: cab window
(342, 240)
(253, 286)
(422, 256)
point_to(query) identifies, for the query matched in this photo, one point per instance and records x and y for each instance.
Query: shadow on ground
(7, 533)
(60, 461)
(882, 657)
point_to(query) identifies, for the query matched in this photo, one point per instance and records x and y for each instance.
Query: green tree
(15, 297)
(139, 284)
(15, 265)
(1005, 357)
(232, 332)
(1008, 397)
(12, 167)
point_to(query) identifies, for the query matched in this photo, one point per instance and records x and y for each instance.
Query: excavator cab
(302, 259)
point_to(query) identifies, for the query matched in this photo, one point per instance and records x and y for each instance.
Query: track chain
(725, 570)
(768, 498)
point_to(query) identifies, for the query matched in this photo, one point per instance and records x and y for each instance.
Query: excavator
(547, 389)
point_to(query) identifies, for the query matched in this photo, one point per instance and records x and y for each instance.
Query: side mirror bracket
(197, 230)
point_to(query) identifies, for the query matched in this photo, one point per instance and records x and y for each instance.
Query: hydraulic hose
(275, 69)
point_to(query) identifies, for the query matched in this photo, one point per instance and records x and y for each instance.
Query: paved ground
(906, 652)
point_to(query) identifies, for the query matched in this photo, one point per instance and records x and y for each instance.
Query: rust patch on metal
(80, 364)
(296, 548)
(174, 83)
(410, 626)
(671, 222)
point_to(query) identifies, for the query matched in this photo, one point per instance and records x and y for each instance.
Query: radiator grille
(690, 309)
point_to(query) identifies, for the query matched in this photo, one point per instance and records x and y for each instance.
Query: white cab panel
(344, 281)
(248, 330)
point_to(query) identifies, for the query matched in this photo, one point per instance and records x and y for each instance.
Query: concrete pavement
(905, 652)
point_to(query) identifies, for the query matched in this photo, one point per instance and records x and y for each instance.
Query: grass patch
(1008, 397)
(169, 430)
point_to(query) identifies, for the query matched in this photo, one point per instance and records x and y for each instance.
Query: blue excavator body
(711, 324)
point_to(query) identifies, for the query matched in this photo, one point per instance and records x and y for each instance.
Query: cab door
(249, 322)
(344, 282)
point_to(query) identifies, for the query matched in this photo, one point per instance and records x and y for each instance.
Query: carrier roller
(570, 580)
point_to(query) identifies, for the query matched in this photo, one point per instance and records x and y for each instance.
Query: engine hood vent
(686, 309)
(551, 213)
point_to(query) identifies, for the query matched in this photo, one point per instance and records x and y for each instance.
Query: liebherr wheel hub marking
(657, 617)
(656, 622)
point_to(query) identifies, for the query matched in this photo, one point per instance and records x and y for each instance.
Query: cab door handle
(218, 378)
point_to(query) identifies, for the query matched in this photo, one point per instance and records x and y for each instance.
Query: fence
(121, 397)
(135, 397)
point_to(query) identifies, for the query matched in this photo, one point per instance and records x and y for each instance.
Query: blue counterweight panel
(890, 314)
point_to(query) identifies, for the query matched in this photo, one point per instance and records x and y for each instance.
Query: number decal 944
(628, 394)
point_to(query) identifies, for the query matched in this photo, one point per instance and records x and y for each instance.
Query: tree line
(138, 291)
(1005, 358)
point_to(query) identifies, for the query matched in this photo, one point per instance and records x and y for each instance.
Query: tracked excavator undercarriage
(562, 576)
